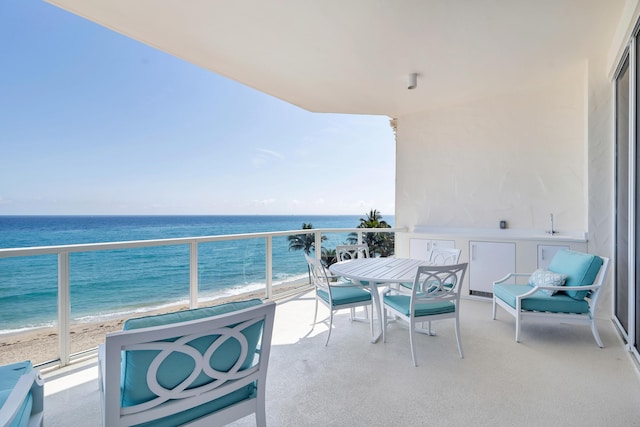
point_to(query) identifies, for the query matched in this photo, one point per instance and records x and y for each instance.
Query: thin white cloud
(264, 156)
(270, 153)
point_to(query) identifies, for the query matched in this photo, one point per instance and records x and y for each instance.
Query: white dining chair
(435, 295)
(335, 296)
(437, 256)
(349, 252)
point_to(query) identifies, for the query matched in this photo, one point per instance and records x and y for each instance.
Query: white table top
(379, 270)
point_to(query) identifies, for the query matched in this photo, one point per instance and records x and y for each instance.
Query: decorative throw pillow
(542, 277)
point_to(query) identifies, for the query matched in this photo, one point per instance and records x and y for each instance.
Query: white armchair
(206, 366)
(568, 292)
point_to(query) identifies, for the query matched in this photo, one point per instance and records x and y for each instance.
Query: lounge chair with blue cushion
(205, 366)
(21, 395)
(567, 292)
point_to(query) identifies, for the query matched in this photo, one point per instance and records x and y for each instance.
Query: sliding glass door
(621, 294)
(626, 298)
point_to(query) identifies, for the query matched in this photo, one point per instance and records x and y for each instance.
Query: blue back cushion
(9, 376)
(176, 367)
(581, 270)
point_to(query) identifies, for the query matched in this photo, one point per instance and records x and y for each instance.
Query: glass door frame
(631, 55)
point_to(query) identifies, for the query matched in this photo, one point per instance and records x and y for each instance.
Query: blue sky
(92, 122)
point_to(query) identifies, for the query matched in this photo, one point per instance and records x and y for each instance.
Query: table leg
(378, 307)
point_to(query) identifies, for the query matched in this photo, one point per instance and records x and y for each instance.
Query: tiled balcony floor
(556, 376)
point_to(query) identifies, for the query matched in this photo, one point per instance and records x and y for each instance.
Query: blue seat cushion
(177, 366)
(199, 411)
(344, 295)
(407, 285)
(557, 303)
(9, 376)
(581, 270)
(402, 303)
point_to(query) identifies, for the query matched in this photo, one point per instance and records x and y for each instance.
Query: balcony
(557, 372)
(555, 376)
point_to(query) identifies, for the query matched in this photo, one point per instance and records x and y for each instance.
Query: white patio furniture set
(208, 366)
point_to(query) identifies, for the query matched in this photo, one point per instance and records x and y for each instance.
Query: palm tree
(373, 220)
(305, 242)
(380, 244)
(328, 257)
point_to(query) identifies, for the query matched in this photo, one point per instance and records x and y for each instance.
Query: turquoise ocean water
(112, 283)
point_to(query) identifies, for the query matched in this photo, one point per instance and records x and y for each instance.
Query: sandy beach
(41, 345)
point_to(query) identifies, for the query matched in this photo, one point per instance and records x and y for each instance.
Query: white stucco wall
(516, 157)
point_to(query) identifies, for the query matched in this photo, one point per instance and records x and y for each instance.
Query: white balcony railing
(63, 265)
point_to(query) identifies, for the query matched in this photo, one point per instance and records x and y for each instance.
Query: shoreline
(41, 345)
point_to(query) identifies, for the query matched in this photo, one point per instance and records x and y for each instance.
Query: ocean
(113, 283)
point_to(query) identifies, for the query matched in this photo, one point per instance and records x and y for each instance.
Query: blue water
(108, 283)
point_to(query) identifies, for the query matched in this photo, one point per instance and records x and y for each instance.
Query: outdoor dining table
(378, 272)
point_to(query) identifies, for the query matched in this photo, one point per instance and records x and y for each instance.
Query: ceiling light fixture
(413, 81)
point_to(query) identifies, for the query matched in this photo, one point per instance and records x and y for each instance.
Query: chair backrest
(444, 256)
(599, 281)
(347, 252)
(173, 368)
(319, 276)
(582, 269)
(438, 283)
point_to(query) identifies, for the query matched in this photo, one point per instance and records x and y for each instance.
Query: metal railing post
(64, 309)
(269, 264)
(193, 275)
(318, 244)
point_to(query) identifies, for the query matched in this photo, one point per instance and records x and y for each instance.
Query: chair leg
(494, 307)
(596, 335)
(458, 338)
(330, 326)
(413, 350)
(355, 318)
(370, 319)
(517, 327)
(261, 413)
(315, 315)
(384, 324)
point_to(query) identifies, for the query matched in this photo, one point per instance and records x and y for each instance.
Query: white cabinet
(421, 248)
(546, 253)
(488, 262)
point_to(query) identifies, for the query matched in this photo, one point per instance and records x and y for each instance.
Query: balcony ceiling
(355, 56)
